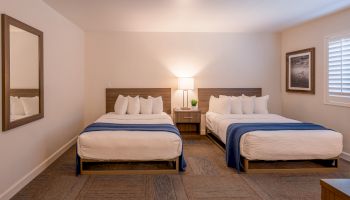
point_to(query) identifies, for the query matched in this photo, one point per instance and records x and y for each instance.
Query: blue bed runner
(134, 127)
(236, 130)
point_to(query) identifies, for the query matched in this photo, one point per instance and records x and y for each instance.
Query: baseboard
(36, 171)
(345, 156)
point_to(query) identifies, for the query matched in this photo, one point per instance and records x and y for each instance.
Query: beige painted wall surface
(311, 107)
(25, 147)
(156, 59)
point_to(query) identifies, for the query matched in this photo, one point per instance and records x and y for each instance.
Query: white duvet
(130, 145)
(278, 145)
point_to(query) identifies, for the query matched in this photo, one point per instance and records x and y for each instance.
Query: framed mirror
(22, 73)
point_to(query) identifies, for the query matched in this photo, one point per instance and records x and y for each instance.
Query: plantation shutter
(339, 67)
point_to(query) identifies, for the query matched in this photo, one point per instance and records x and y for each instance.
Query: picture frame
(300, 71)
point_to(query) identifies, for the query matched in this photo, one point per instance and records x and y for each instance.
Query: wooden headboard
(205, 93)
(24, 92)
(112, 95)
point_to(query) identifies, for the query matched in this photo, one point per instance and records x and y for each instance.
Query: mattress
(130, 145)
(277, 145)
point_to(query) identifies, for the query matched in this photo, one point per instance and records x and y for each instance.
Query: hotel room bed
(132, 138)
(277, 145)
(130, 146)
(267, 137)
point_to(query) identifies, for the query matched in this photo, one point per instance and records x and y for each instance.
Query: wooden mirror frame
(6, 21)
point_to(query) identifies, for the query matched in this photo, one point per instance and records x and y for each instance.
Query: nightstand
(335, 189)
(188, 121)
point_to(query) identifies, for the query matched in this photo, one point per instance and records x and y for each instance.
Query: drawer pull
(187, 117)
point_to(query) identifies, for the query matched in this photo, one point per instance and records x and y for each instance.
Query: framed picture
(300, 72)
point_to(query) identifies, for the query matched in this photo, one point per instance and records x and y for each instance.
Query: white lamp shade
(185, 84)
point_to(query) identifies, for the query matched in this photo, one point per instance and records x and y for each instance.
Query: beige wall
(311, 107)
(24, 148)
(156, 59)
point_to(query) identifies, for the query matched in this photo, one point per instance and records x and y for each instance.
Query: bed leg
(246, 165)
(81, 166)
(336, 163)
(177, 163)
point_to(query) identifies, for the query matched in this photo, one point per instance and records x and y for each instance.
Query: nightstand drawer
(188, 117)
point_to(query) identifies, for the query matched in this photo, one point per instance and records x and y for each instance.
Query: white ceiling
(193, 15)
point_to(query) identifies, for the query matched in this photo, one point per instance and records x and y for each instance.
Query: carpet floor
(206, 177)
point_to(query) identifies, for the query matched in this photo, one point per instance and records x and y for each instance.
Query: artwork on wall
(300, 71)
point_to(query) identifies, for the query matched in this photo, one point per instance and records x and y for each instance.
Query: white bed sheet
(278, 145)
(130, 145)
(17, 117)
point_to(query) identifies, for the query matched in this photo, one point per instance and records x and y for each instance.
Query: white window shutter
(339, 67)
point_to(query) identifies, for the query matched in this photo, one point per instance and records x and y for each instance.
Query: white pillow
(16, 106)
(121, 105)
(133, 105)
(224, 96)
(236, 104)
(30, 105)
(157, 104)
(260, 106)
(220, 105)
(248, 104)
(146, 106)
(212, 103)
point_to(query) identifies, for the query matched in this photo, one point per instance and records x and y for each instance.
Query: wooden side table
(335, 189)
(188, 121)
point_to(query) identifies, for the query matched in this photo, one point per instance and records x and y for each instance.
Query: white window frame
(332, 99)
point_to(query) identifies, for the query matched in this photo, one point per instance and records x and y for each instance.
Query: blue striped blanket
(134, 127)
(236, 130)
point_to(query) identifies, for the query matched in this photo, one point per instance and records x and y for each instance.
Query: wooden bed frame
(203, 104)
(24, 92)
(174, 170)
(111, 97)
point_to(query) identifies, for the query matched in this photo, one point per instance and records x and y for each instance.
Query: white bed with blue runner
(139, 137)
(271, 137)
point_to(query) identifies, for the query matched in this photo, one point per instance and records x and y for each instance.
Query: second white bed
(277, 145)
(130, 145)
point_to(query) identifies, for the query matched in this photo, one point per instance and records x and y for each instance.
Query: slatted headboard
(112, 95)
(205, 93)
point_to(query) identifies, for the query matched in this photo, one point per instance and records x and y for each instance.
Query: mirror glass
(24, 74)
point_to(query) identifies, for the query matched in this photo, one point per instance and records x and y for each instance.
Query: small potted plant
(194, 103)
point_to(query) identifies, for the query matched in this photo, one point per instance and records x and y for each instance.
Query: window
(338, 70)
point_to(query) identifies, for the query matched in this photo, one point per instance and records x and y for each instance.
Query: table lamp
(185, 84)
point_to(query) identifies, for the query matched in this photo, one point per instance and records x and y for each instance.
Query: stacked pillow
(24, 105)
(136, 105)
(16, 106)
(220, 105)
(146, 106)
(239, 105)
(30, 105)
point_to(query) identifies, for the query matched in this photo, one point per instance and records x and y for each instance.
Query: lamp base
(185, 108)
